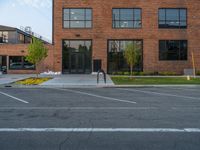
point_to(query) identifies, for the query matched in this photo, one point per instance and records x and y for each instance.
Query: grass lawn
(120, 80)
(32, 81)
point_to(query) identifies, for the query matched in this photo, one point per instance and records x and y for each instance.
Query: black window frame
(113, 20)
(179, 51)
(165, 26)
(23, 64)
(85, 20)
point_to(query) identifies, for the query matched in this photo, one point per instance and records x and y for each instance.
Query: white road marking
(98, 96)
(153, 130)
(15, 98)
(162, 94)
(78, 108)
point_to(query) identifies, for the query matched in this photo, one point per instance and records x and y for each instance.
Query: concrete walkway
(77, 80)
(10, 78)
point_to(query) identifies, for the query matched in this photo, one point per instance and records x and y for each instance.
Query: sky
(34, 13)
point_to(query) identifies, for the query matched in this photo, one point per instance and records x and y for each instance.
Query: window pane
(126, 24)
(28, 65)
(124, 18)
(88, 24)
(77, 14)
(66, 24)
(137, 24)
(115, 14)
(161, 14)
(124, 44)
(77, 24)
(116, 24)
(172, 14)
(183, 50)
(76, 45)
(126, 14)
(66, 14)
(183, 24)
(172, 24)
(116, 60)
(88, 45)
(15, 62)
(137, 14)
(162, 24)
(183, 14)
(88, 14)
(114, 46)
(173, 50)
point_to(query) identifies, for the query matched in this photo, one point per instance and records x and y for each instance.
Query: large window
(77, 18)
(77, 56)
(3, 37)
(127, 18)
(173, 18)
(19, 63)
(173, 50)
(116, 60)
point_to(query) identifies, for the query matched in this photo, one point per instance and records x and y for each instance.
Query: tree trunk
(131, 67)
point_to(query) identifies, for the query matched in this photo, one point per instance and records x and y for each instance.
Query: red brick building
(93, 34)
(13, 47)
(168, 31)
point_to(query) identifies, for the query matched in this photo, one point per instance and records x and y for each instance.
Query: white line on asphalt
(158, 93)
(78, 108)
(98, 96)
(184, 130)
(15, 98)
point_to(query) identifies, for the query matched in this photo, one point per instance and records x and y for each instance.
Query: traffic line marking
(158, 93)
(98, 96)
(13, 97)
(78, 108)
(167, 130)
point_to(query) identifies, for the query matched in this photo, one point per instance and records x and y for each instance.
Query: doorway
(77, 63)
(77, 56)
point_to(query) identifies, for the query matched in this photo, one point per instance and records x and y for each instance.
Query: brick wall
(102, 30)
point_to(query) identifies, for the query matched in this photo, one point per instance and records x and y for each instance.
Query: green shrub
(167, 73)
(120, 73)
(127, 73)
(114, 73)
(148, 73)
(198, 73)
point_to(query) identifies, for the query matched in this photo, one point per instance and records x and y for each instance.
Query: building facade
(13, 49)
(93, 34)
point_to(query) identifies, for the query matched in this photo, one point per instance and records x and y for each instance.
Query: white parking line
(78, 108)
(98, 96)
(158, 93)
(153, 130)
(15, 98)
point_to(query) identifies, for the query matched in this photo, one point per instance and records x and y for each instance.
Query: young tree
(37, 52)
(132, 55)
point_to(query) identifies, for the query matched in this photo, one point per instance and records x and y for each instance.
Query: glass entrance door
(77, 56)
(77, 63)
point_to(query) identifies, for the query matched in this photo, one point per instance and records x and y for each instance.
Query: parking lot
(100, 118)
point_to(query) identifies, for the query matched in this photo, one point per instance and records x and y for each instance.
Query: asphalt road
(165, 118)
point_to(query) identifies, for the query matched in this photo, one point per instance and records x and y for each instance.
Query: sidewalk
(10, 78)
(77, 80)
